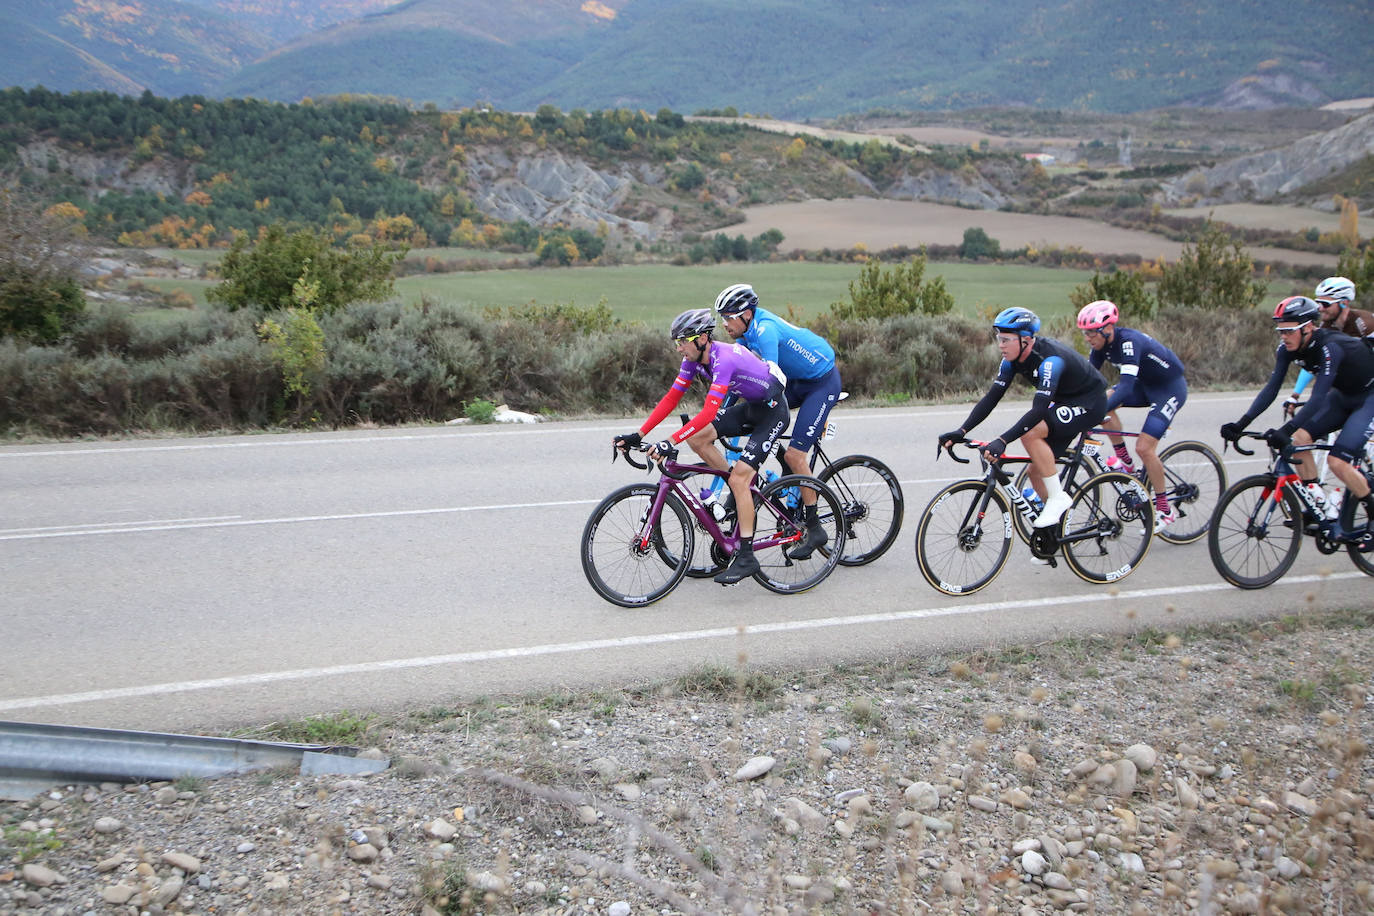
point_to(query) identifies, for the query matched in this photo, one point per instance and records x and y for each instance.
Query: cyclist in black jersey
(1342, 396)
(1070, 397)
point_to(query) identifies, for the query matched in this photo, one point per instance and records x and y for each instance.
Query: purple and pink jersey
(730, 369)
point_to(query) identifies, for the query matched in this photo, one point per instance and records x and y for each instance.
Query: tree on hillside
(883, 293)
(264, 275)
(978, 244)
(40, 258)
(1217, 273)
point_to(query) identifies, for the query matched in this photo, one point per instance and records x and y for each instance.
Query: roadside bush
(1125, 288)
(881, 292)
(1232, 348)
(1216, 273)
(915, 355)
(1358, 266)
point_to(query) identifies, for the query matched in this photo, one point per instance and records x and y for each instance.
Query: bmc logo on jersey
(1064, 412)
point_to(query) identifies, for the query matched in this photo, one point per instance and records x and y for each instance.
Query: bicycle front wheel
(1356, 519)
(871, 499)
(780, 524)
(1255, 533)
(627, 560)
(1194, 479)
(1107, 529)
(959, 548)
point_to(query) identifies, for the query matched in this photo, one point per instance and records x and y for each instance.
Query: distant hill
(789, 58)
(284, 20)
(802, 58)
(124, 46)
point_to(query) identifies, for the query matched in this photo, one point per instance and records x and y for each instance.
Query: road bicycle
(869, 493)
(965, 534)
(638, 543)
(1334, 489)
(1194, 479)
(1258, 527)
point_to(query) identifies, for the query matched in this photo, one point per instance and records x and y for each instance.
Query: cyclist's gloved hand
(994, 449)
(1290, 405)
(1231, 431)
(629, 440)
(1277, 438)
(954, 436)
(663, 449)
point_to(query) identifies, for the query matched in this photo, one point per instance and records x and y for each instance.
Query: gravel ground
(1210, 771)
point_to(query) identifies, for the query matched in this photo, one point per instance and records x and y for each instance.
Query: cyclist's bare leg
(1147, 450)
(1348, 474)
(1306, 466)
(704, 444)
(741, 475)
(797, 463)
(1112, 423)
(1041, 456)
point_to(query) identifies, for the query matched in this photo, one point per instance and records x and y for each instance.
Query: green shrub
(902, 290)
(480, 411)
(1125, 288)
(1216, 273)
(1357, 265)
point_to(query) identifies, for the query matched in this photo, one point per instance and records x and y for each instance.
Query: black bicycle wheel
(623, 565)
(1194, 479)
(1106, 530)
(958, 550)
(1255, 533)
(1355, 519)
(872, 503)
(779, 523)
(1085, 470)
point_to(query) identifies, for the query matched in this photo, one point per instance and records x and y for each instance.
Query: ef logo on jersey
(1168, 408)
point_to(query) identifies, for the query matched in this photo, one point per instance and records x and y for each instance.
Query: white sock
(1052, 486)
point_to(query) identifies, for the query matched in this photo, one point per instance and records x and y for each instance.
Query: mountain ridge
(797, 59)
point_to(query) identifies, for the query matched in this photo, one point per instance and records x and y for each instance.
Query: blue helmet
(1017, 320)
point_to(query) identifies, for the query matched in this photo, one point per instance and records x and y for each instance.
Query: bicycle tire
(617, 567)
(872, 503)
(1357, 518)
(1249, 544)
(958, 554)
(1116, 508)
(1195, 479)
(776, 519)
(1086, 469)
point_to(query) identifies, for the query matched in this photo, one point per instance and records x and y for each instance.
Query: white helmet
(1335, 289)
(735, 299)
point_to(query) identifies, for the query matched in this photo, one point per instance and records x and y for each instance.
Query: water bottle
(1333, 503)
(1033, 498)
(708, 499)
(769, 475)
(1318, 495)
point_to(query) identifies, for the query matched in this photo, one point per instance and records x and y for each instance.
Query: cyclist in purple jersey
(759, 410)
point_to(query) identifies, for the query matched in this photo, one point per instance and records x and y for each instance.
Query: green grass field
(656, 292)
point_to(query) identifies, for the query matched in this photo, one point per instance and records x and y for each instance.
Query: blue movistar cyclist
(1151, 376)
(807, 363)
(1070, 397)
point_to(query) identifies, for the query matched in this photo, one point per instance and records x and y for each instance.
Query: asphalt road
(189, 584)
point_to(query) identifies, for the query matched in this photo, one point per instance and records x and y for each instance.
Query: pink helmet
(1096, 315)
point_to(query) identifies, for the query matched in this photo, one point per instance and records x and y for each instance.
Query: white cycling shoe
(1054, 510)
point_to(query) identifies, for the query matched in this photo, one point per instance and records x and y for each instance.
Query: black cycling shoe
(815, 537)
(744, 565)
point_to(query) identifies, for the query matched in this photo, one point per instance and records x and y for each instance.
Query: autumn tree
(40, 260)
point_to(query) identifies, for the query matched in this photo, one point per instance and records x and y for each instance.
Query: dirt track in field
(880, 224)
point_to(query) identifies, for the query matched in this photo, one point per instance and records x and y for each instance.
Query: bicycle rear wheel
(1250, 540)
(779, 524)
(1107, 528)
(1194, 479)
(621, 563)
(871, 499)
(958, 550)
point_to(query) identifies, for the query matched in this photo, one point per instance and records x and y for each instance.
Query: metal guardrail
(34, 757)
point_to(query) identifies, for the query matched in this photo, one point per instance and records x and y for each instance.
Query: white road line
(596, 645)
(149, 521)
(237, 522)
